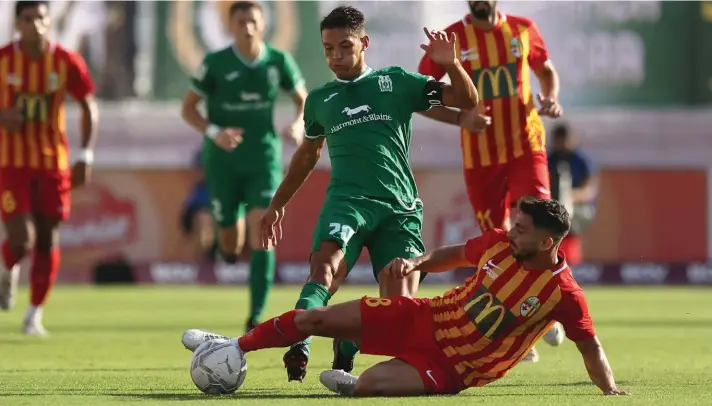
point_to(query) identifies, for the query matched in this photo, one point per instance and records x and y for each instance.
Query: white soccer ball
(218, 367)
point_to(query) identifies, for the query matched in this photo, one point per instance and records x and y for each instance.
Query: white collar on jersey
(254, 62)
(366, 71)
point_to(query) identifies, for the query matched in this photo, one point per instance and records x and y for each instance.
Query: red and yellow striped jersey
(501, 61)
(488, 325)
(38, 88)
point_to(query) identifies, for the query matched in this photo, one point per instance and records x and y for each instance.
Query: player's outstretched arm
(439, 260)
(462, 93)
(599, 370)
(300, 167)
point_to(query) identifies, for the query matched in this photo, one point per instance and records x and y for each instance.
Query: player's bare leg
(390, 378)
(327, 270)
(231, 240)
(43, 272)
(262, 265)
(19, 241)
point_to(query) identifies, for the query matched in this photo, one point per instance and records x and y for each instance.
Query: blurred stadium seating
(636, 85)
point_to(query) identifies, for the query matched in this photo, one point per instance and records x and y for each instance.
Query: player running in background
(503, 154)
(472, 335)
(35, 179)
(364, 116)
(242, 154)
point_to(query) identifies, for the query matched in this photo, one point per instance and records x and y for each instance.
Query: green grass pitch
(122, 345)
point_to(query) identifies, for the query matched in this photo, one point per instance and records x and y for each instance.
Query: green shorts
(232, 194)
(387, 229)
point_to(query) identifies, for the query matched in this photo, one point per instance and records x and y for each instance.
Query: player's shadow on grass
(263, 394)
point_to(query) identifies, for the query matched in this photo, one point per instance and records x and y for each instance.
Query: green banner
(702, 51)
(186, 30)
(620, 53)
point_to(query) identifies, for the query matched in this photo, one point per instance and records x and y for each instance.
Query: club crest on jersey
(530, 306)
(360, 109)
(515, 46)
(385, 84)
(53, 81)
(273, 76)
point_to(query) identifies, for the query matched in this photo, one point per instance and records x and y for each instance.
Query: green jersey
(241, 93)
(367, 125)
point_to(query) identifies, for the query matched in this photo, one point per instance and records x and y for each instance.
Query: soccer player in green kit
(364, 116)
(241, 151)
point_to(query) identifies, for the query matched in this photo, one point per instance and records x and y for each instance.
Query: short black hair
(244, 6)
(21, 5)
(560, 132)
(548, 215)
(344, 17)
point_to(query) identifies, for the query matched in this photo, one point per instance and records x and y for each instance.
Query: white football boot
(555, 335)
(194, 337)
(32, 326)
(532, 356)
(339, 382)
(8, 286)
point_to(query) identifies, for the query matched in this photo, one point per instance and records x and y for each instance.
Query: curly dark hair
(548, 215)
(344, 17)
(21, 5)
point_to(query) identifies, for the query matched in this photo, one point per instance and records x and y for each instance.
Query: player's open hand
(294, 132)
(475, 120)
(549, 107)
(615, 392)
(11, 119)
(441, 49)
(399, 268)
(271, 225)
(81, 174)
(229, 138)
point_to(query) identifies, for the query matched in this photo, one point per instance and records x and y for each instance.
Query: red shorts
(403, 328)
(31, 191)
(494, 189)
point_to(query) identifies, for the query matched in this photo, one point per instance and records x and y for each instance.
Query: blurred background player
(575, 184)
(506, 159)
(196, 220)
(482, 329)
(364, 116)
(35, 179)
(242, 152)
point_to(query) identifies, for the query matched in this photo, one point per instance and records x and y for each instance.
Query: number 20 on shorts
(341, 231)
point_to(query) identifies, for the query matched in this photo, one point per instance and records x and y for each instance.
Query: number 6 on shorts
(341, 231)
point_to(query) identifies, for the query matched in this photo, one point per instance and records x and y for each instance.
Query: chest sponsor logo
(497, 81)
(359, 111)
(232, 76)
(247, 96)
(488, 314)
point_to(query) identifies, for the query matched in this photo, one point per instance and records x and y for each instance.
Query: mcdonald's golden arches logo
(491, 77)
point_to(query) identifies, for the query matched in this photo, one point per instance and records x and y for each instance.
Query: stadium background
(636, 86)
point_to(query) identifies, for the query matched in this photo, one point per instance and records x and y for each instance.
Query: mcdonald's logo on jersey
(489, 81)
(487, 313)
(34, 106)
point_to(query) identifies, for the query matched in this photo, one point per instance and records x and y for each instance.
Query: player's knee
(229, 258)
(311, 321)
(371, 384)
(323, 268)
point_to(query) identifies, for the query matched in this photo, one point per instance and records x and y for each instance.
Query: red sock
(45, 267)
(280, 331)
(8, 256)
